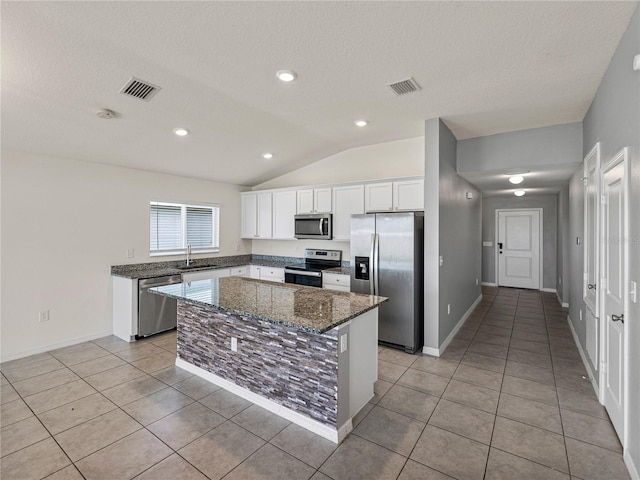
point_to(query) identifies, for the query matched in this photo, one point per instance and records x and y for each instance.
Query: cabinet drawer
(336, 280)
(240, 271)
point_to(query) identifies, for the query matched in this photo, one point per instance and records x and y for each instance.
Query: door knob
(617, 318)
(591, 286)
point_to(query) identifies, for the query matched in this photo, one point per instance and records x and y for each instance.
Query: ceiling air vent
(407, 85)
(139, 89)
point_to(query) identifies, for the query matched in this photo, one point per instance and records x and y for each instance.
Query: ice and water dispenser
(362, 268)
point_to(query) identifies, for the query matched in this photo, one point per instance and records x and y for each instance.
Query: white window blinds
(174, 226)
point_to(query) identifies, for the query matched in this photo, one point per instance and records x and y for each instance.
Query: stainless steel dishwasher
(156, 313)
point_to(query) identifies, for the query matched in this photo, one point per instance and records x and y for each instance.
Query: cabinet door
(284, 209)
(205, 275)
(379, 197)
(264, 215)
(408, 195)
(254, 272)
(304, 201)
(347, 201)
(322, 200)
(249, 214)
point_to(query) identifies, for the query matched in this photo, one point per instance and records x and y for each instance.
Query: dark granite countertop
(161, 269)
(312, 309)
(339, 270)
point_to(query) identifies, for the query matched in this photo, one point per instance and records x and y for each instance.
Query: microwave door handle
(320, 226)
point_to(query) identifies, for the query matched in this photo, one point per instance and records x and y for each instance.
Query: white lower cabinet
(336, 281)
(242, 271)
(272, 274)
(205, 275)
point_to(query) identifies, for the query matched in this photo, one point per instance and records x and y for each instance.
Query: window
(173, 226)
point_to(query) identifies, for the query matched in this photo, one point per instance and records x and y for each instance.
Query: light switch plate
(487, 243)
(441, 260)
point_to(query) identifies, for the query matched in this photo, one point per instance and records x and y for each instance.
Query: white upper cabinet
(379, 197)
(256, 215)
(395, 196)
(347, 201)
(408, 195)
(314, 200)
(284, 209)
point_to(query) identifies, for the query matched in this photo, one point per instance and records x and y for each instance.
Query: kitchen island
(304, 353)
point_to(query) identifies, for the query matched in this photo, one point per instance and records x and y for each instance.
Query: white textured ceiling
(484, 67)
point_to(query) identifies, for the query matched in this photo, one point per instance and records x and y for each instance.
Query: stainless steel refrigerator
(387, 260)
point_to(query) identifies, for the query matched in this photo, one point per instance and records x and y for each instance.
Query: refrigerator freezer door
(396, 276)
(363, 227)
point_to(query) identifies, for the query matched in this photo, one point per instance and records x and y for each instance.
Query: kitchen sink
(197, 267)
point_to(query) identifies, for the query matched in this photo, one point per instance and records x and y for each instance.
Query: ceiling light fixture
(516, 179)
(361, 123)
(181, 132)
(267, 155)
(286, 75)
(518, 193)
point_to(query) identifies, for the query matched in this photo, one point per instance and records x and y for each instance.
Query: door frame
(621, 157)
(541, 245)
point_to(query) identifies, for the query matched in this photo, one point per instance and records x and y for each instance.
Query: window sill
(168, 253)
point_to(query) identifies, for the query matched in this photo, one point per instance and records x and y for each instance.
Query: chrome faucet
(189, 261)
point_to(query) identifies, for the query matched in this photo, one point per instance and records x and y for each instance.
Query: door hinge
(585, 181)
(603, 199)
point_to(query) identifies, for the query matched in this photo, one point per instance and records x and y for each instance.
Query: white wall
(64, 223)
(401, 158)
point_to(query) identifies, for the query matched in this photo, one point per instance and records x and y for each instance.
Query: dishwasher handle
(159, 281)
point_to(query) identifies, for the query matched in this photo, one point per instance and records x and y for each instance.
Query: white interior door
(518, 248)
(591, 251)
(614, 288)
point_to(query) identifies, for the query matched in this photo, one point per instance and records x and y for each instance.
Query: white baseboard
(631, 466)
(550, 290)
(489, 284)
(436, 352)
(332, 434)
(55, 346)
(583, 356)
(564, 304)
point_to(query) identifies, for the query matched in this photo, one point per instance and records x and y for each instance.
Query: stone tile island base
(317, 381)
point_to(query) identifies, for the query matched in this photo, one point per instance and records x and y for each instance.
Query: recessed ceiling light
(518, 193)
(516, 179)
(361, 123)
(181, 132)
(267, 155)
(286, 75)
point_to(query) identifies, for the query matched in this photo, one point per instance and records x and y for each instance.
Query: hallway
(507, 400)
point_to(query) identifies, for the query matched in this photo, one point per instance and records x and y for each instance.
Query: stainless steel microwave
(317, 225)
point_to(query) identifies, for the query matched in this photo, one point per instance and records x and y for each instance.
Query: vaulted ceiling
(483, 67)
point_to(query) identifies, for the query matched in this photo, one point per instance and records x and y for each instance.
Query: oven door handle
(301, 272)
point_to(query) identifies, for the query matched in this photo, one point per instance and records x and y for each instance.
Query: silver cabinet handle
(617, 318)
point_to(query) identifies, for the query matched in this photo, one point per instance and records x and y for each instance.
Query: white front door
(614, 287)
(519, 248)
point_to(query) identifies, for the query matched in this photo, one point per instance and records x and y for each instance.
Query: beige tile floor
(507, 400)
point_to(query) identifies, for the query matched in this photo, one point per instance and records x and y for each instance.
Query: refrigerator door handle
(372, 268)
(376, 261)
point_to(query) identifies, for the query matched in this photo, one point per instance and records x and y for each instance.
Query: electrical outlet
(633, 294)
(441, 260)
(234, 344)
(448, 309)
(237, 247)
(476, 281)
(559, 280)
(580, 315)
(130, 253)
(44, 316)
(344, 342)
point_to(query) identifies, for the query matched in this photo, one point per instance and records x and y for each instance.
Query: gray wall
(460, 238)
(614, 120)
(457, 238)
(554, 145)
(564, 241)
(549, 205)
